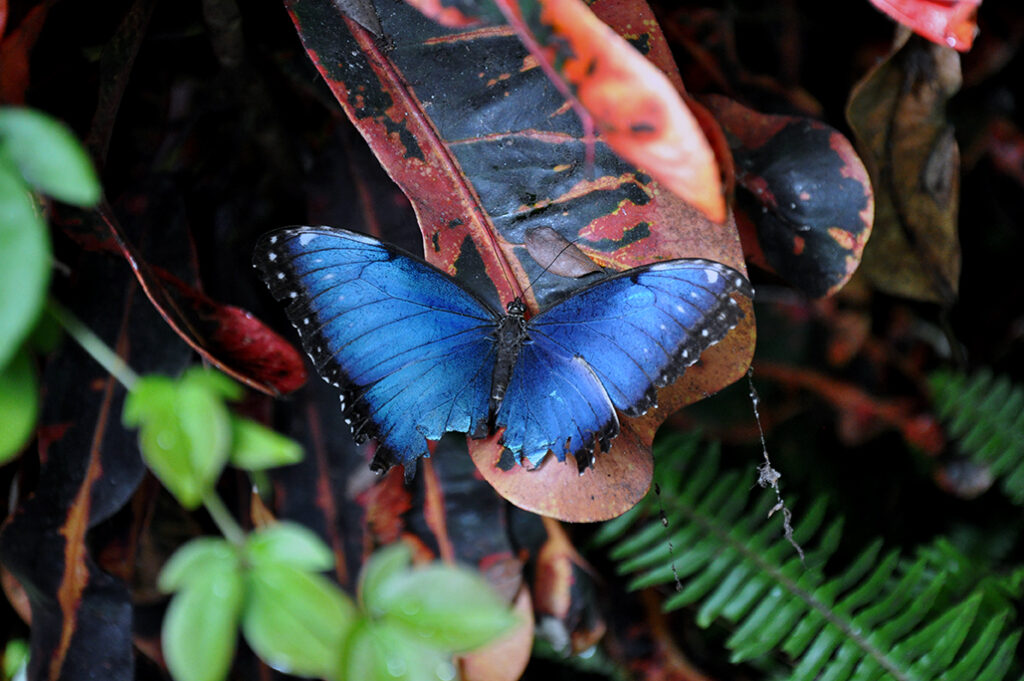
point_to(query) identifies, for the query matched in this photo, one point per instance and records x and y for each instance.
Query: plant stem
(93, 345)
(223, 519)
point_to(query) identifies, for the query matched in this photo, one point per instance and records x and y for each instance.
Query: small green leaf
(451, 607)
(19, 405)
(194, 560)
(206, 420)
(376, 651)
(185, 431)
(255, 447)
(201, 626)
(289, 544)
(25, 261)
(295, 621)
(15, 658)
(384, 565)
(48, 156)
(214, 382)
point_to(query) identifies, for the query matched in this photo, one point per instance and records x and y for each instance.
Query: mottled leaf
(805, 192)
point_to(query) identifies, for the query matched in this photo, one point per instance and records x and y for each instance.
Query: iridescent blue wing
(410, 349)
(635, 332)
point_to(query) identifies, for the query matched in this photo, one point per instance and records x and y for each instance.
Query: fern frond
(882, 618)
(986, 415)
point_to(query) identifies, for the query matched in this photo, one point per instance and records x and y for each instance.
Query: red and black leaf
(803, 194)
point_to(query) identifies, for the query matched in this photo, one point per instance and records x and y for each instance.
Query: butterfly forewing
(410, 349)
(640, 329)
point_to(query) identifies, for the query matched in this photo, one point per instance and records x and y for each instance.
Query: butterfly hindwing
(410, 349)
(554, 402)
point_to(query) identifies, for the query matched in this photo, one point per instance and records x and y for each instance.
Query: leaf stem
(93, 344)
(223, 519)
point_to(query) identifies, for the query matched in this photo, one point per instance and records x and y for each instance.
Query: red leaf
(15, 47)
(952, 23)
(228, 337)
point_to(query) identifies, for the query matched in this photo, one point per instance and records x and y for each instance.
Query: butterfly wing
(410, 349)
(635, 332)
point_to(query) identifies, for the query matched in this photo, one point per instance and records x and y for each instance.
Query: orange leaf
(636, 108)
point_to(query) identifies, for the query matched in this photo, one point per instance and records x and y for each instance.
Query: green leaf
(378, 651)
(25, 261)
(255, 447)
(195, 559)
(449, 607)
(19, 405)
(201, 625)
(185, 431)
(384, 565)
(288, 544)
(48, 156)
(214, 382)
(15, 658)
(295, 621)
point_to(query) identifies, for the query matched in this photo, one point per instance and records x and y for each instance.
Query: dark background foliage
(226, 131)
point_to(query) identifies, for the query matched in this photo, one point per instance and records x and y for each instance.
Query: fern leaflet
(986, 414)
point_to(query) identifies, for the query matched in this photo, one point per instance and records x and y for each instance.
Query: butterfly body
(416, 354)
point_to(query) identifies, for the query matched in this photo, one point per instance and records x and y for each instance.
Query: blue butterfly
(417, 355)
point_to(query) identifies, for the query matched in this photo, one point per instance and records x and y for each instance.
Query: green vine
(883, 617)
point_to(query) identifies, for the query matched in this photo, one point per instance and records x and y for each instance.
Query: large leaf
(479, 182)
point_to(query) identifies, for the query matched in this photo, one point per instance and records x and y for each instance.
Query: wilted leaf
(556, 254)
(898, 113)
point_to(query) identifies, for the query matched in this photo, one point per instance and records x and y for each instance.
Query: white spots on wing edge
(712, 276)
(305, 238)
